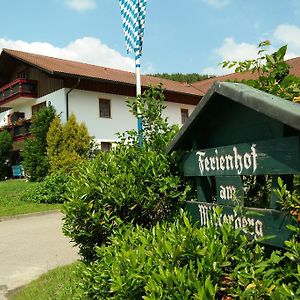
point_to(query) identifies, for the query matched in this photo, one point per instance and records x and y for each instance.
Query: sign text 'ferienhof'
(234, 161)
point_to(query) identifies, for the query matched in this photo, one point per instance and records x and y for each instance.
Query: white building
(96, 95)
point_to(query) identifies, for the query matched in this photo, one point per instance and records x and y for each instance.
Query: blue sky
(180, 35)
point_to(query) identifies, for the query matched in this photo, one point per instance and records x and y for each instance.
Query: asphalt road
(29, 247)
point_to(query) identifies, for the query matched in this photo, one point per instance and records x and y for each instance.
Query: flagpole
(133, 17)
(138, 94)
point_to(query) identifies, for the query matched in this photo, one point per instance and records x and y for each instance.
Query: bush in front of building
(34, 154)
(67, 145)
(130, 184)
(51, 190)
(179, 260)
(5, 148)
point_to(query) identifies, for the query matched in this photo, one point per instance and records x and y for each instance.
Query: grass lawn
(59, 284)
(11, 204)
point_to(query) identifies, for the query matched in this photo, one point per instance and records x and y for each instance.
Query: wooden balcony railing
(20, 130)
(18, 88)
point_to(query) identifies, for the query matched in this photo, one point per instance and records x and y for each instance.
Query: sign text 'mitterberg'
(232, 161)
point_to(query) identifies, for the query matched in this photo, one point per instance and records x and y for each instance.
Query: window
(184, 115)
(24, 74)
(106, 146)
(37, 107)
(104, 108)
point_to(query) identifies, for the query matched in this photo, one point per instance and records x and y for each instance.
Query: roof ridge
(62, 59)
(66, 67)
(12, 51)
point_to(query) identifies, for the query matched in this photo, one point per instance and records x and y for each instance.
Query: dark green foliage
(127, 185)
(5, 148)
(34, 154)
(289, 201)
(257, 191)
(188, 78)
(50, 191)
(178, 260)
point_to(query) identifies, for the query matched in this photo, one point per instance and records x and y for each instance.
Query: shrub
(130, 184)
(51, 190)
(67, 145)
(178, 260)
(34, 154)
(5, 148)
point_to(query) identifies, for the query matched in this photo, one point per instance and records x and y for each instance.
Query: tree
(34, 152)
(188, 78)
(5, 148)
(67, 145)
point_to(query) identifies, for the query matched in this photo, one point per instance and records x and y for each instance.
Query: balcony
(19, 129)
(16, 91)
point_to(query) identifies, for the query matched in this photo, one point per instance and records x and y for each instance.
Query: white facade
(85, 106)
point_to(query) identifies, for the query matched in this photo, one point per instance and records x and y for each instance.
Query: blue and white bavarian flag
(133, 16)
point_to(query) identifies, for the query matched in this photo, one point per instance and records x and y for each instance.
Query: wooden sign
(237, 142)
(267, 157)
(256, 223)
(227, 164)
(229, 190)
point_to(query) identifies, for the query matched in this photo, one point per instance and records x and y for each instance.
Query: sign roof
(263, 103)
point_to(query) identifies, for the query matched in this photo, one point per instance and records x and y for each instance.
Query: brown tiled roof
(62, 67)
(204, 85)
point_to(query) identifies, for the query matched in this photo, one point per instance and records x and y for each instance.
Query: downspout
(67, 97)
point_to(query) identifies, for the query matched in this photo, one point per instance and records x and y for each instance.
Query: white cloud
(217, 3)
(81, 5)
(231, 50)
(290, 35)
(216, 71)
(87, 49)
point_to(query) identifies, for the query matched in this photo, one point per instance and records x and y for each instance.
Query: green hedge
(127, 185)
(181, 261)
(50, 191)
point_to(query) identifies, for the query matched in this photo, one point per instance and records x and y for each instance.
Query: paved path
(30, 246)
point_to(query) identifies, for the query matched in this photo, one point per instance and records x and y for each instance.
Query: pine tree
(67, 145)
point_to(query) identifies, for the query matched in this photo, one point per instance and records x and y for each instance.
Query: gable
(232, 112)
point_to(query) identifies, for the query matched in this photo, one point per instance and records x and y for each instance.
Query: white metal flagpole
(138, 94)
(138, 75)
(133, 15)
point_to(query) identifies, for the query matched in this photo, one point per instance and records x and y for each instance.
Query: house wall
(3, 118)
(85, 106)
(173, 112)
(57, 99)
